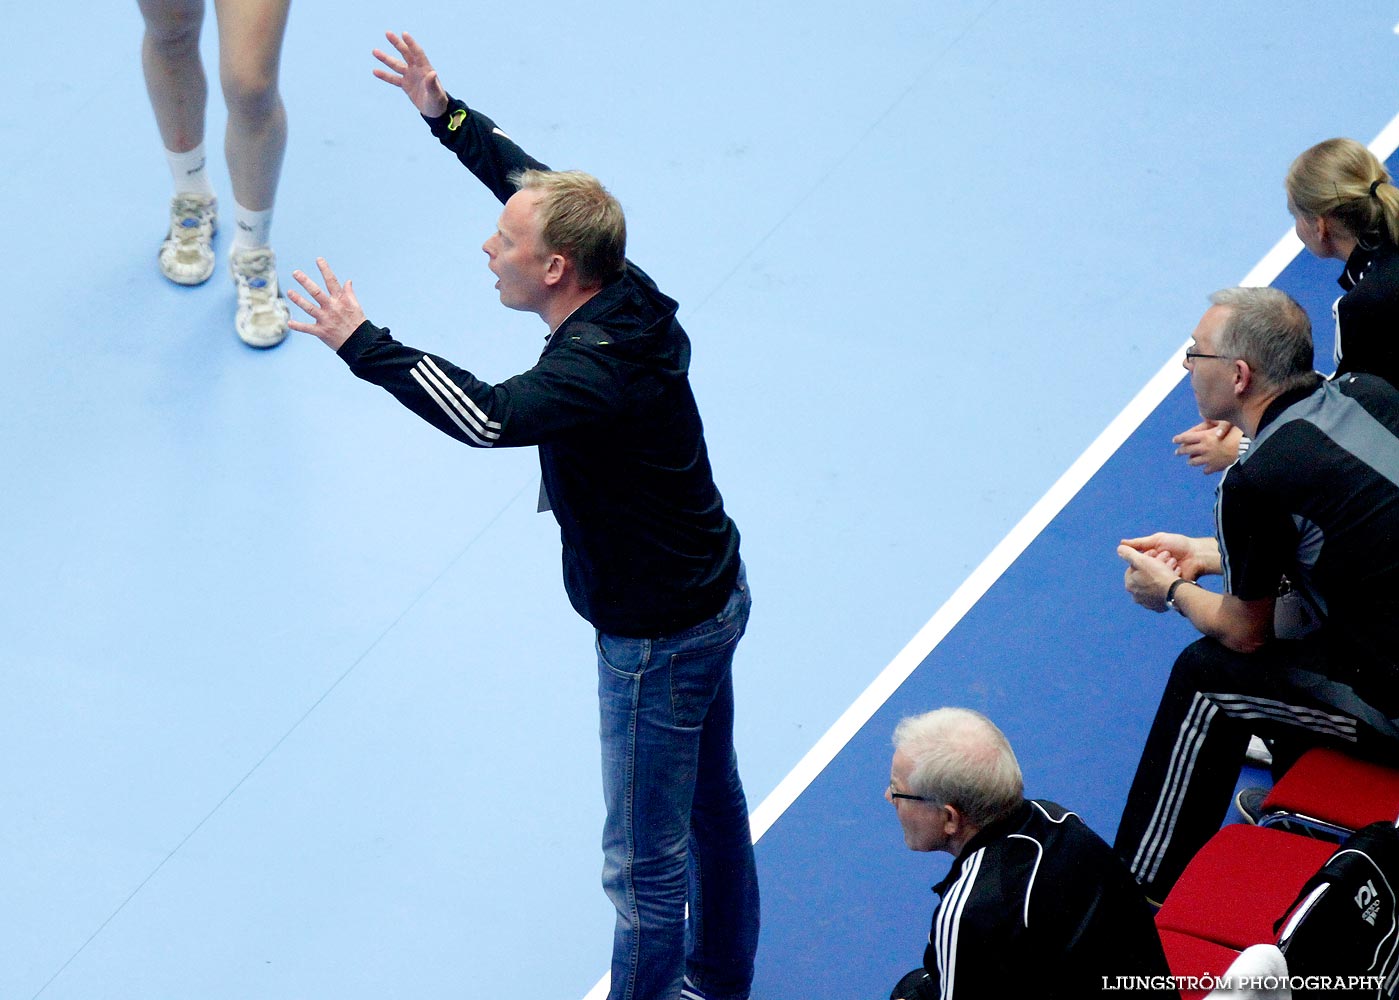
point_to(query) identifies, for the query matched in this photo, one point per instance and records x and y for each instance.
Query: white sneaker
(262, 315)
(187, 255)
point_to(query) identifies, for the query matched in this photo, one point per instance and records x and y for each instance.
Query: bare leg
(174, 73)
(250, 49)
(179, 94)
(250, 53)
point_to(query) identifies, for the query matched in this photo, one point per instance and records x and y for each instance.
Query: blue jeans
(677, 821)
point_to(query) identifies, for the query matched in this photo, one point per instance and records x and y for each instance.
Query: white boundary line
(1265, 272)
(965, 597)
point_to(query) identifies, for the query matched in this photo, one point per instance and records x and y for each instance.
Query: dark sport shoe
(1250, 803)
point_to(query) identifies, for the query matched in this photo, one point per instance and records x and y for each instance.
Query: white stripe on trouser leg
(1163, 819)
(1237, 706)
(1314, 719)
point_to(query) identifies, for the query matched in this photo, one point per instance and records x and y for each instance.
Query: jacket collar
(1361, 259)
(1282, 402)
(986, 835)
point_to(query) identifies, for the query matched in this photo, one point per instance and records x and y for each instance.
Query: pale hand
(1148, 578)
(1211, 445)
(413, 75)
(1190, 558)
(334, 311)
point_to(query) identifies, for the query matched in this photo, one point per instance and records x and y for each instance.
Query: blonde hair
(961, 759)
(580, 219)
(1341, 179)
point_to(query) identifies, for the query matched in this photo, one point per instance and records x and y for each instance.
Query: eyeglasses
(1192, 355)
(904, 795)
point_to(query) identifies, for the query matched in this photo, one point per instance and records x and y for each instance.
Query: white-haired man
(1035, 901)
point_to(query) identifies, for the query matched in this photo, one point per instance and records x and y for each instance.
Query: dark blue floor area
(1057, 654)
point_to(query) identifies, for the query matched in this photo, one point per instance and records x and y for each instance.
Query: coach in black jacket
(1035, 903)
(1312, 504)
(649, 556)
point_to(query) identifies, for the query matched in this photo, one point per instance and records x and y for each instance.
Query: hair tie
(1375, 185)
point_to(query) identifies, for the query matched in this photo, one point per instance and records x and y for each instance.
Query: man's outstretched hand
(334, 311)
(412, 74)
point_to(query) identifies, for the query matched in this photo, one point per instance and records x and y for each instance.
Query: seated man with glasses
(1035, 901)
(1311, 508)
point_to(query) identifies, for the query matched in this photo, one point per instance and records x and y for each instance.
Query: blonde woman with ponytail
(1346, 207)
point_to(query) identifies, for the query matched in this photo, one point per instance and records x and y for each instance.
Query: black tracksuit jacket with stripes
(647, 547)
(1038, 905)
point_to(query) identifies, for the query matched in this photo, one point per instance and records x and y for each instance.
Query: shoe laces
(191, 216)
(255, 272)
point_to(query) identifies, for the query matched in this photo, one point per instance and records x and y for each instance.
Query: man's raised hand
(412, 74)
(334, 311)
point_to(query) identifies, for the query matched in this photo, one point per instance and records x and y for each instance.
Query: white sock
(187, 171)
(252, 229)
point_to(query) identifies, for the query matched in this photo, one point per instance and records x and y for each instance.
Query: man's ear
(555, 269)
(1243, 377)
(954, 822)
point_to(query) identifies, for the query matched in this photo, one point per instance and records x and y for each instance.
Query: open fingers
(306, 306)
(332, 283)
(397, 43)
(413, 52)
(397, 65)
(312, 289)
(407, 47)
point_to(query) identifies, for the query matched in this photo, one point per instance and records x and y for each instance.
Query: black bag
(917, 985)
(1343, 925)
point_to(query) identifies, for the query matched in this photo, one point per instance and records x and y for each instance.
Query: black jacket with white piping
(1038, 904)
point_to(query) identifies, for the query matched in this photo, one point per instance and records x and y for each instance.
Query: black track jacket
(1038, 905)
(647, 548)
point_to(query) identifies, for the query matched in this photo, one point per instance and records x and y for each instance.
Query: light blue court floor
(291, 702)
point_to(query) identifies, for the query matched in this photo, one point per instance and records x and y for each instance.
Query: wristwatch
(1171, 593)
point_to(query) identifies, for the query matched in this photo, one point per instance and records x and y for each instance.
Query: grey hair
(961, 759)
(1270, 331)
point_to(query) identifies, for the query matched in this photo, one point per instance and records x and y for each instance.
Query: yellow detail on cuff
(454, 123)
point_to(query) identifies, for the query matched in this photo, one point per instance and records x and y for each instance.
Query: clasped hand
(1156, 561)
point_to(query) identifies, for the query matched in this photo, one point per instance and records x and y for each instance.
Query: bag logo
(1367, 899)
